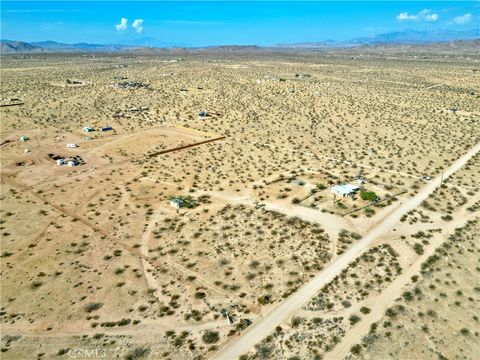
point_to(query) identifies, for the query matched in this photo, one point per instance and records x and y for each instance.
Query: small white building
(72, 163)
(344, 189)
(176, 202)
(72, 146)
(60, 162)
(360, 180)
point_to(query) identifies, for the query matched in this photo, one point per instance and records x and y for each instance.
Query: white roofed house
(345, 189)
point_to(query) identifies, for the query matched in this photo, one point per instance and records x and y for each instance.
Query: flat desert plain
(198, 219)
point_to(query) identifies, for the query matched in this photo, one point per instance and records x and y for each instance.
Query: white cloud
(406, 16)
(424, 15)
(464, 19)
(138, 25)
(427, 15)
(123, 25)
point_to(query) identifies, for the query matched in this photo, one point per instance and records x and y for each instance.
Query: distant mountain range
(13, 47)
(409, 37)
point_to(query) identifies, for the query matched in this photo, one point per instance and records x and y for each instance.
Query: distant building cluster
(131, 85)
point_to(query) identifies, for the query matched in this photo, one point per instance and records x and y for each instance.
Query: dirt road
(265, 326)
(381, 302)
(332, 224)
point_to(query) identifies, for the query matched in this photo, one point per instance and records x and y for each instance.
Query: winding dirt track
(265, 326)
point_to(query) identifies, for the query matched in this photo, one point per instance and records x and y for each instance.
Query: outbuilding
(72, 162)
(88, 129)
(72, 146)
(24, 138)
(177, 202)
(360, 180)
(106, 128)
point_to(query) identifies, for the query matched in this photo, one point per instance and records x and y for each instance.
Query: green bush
(368, 195)
(210, 337)
(354, 319)
(418, 248)
(356, 349)
(264, 299)
(365, 310)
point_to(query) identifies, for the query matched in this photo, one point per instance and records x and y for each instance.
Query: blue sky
(199, 23)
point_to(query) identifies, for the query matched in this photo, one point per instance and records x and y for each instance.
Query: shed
(24, 138)
(203, 114)
(60, 162)
(360, 180)
(177, 202)
(72, 146)
(106, 128)
(72, 162)
(344, 189)
(88, 129)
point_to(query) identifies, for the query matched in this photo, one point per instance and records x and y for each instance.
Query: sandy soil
(94, 256)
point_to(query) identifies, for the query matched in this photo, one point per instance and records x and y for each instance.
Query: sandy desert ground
(95, 261)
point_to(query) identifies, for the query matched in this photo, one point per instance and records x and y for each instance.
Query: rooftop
(344, 189)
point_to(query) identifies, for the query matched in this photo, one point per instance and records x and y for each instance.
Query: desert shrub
(364, 310)
(36, 284)
(137, 353)
(408, 296)
(264, 351)
(418, 248)
(356, 349)
(264, 299)
(200, 295)
(63, 351)
(92, 306)
(296, 321)
(354, 319)
(210, 337)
